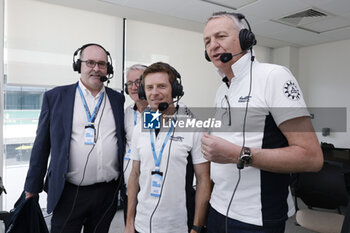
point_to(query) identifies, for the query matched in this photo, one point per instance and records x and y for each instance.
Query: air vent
(310, 19)
(307, 13)
(304, 17)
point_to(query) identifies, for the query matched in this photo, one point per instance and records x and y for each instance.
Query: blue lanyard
(135, 117)
(158, 159)
(91, 118)
(135, 122)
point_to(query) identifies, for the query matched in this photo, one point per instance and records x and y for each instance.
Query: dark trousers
(94, 208)
(216, 224)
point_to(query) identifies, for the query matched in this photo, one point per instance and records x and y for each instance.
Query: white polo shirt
(171, 214)
(132, 117)
(261, 197)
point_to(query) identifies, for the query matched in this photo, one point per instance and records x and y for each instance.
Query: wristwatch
(246, 157)
(198, 229)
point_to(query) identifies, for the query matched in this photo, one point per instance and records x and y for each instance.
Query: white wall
(263, 54)
(324, 74)
(286, 56)
(42, 40)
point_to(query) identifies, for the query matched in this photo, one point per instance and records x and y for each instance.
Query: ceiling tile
(327, 25)
(192, 15)
(231, 4)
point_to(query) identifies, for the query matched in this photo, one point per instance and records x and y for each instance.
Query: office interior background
(40, 36)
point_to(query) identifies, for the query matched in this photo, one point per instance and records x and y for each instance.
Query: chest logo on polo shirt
(244, 99)
(291, 90)
(177, 139)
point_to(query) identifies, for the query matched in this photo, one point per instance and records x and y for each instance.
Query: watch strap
(197, 228)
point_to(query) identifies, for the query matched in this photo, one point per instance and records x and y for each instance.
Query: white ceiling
(261, 14)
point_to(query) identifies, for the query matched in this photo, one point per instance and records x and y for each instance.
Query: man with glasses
(251, 166)
(81, 128)
(132, 118)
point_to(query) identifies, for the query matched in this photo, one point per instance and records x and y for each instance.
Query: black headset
(126, 85)
(77, 63)
(176, 86)
(246, 36)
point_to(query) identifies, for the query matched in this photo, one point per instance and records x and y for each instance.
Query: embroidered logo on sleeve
(291, 90)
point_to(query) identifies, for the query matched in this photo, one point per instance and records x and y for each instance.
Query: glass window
(20, 119)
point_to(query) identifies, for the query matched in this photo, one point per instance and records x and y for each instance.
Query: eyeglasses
(227, 113)
(92, 64)
(137, 83)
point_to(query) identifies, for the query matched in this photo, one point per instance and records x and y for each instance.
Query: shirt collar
(87, 92)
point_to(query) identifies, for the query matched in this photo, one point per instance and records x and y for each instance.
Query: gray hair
(136, 67)
(234, 16)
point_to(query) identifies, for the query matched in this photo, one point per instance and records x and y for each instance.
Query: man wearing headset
(132, 117)
(81, 128)
(160, 190)
(275, 136)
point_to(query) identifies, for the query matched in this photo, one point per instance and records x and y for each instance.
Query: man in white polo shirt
(132, 117)
(159, 190)
(272, 137)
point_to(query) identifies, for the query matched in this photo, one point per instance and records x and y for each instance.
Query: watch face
(247, 159)
(246, 150)
(246, 156)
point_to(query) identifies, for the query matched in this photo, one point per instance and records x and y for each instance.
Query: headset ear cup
(126, 89)
(78, 66)
(252, 38)
(141, 92)
(206, 56)
(177, 89)
(247, 39)
(109, 68)
(75, 66)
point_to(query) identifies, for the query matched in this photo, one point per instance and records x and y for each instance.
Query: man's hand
(28, 195)
(219, 150)
(129, 228)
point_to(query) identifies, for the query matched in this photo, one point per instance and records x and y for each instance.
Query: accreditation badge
(127, 155)
(89, 135)
(157, 178)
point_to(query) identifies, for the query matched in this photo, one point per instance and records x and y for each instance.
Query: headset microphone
(165, 105)
(103, 78)
(226, 57)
